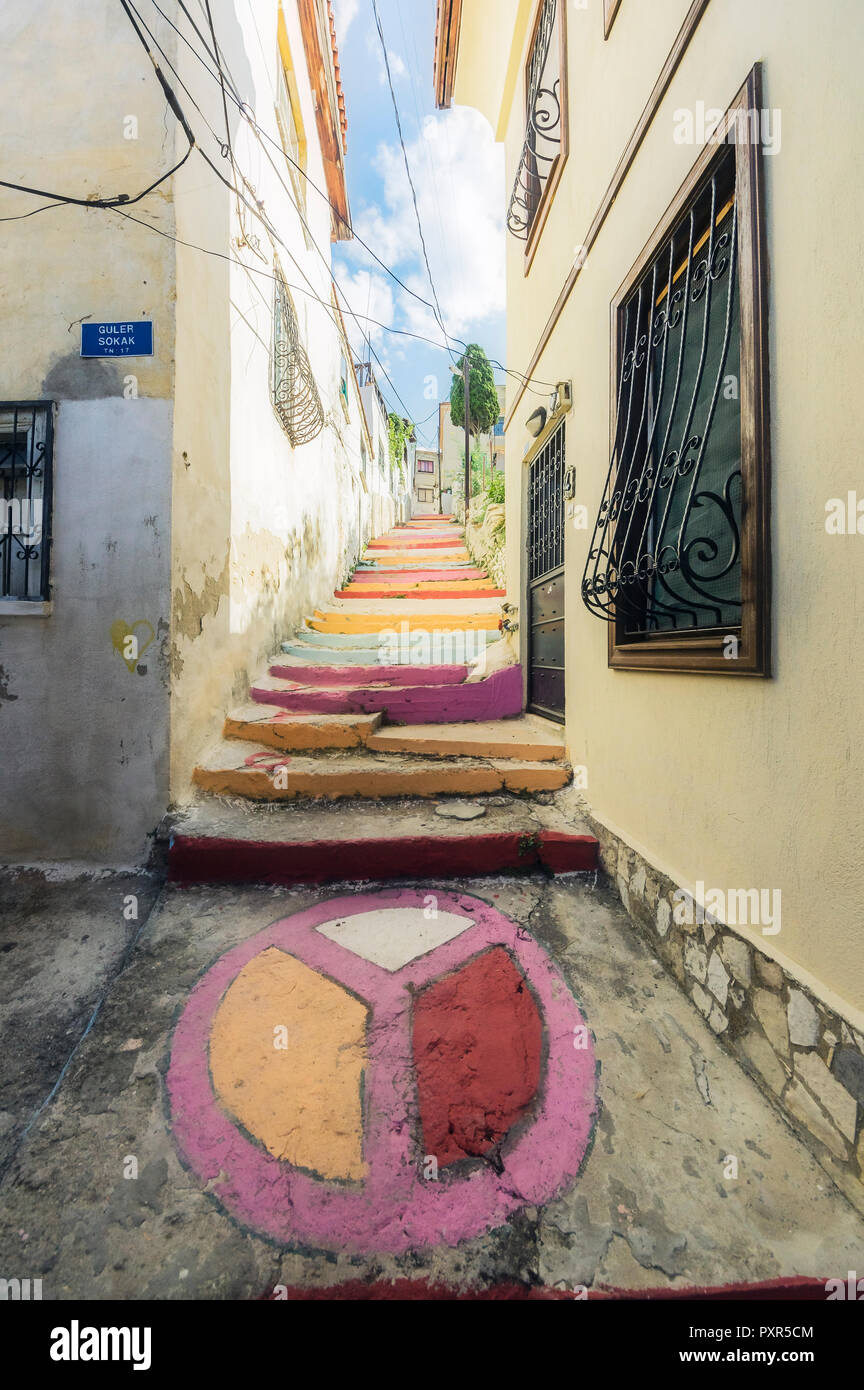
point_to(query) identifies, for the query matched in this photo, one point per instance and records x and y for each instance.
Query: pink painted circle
(396, 1208)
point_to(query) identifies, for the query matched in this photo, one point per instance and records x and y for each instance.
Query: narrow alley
(430, 688)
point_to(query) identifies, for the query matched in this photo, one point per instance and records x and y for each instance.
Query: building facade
(198, 501)
(684, 536)
(427, 483)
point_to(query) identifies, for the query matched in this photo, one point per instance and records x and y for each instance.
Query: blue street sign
(117, 339)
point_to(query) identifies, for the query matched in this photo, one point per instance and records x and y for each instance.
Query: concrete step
(431, 592)
(314, 673)
(497, 697)
(380, 841)
(456, 575)
(264, 774)
(358, 641)
(527, 739)
(355, 624)
(297, 733)
(452, 653)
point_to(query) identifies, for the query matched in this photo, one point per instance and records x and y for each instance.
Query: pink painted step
(498, 697)
(370, 675)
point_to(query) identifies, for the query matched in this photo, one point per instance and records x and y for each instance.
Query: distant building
(427, 483)
(451, 444)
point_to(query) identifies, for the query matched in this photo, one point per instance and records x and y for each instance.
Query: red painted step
(212, 859)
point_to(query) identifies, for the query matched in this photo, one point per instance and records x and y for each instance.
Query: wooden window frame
(286, 74)
(703, 650)
(610, 10)
(554, 177)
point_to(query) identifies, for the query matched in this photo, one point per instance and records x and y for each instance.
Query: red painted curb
(414, 1290)
(193, 859)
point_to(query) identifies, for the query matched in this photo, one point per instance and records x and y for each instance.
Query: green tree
(400, 432)
(483, 404)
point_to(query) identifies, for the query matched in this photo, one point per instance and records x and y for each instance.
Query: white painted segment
(393, 936)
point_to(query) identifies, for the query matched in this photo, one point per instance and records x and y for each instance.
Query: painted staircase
(379, 699)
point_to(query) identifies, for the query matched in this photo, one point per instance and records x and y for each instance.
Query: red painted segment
(370, 675)
(497, 697)
(194, 859)
(567, 854)
(363, 592)
(796, 1287)
(477, 1047)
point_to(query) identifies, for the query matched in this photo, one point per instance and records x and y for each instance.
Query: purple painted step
(498, 697)
(370, 675)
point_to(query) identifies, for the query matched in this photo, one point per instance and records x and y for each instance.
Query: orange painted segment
(287, 1057)
(299, 733)
(375, 777)
(508, 738)
(348, 623)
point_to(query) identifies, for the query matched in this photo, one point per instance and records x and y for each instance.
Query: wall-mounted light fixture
(536, 423)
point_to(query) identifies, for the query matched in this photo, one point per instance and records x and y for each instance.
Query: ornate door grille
(546, 509)
(666, 548)
(546, 594)
(26, 460)
(295, 393)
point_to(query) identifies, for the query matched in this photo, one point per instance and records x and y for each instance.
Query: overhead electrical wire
(223, 76)
(121, 201)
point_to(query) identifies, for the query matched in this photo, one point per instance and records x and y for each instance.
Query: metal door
(546, 579)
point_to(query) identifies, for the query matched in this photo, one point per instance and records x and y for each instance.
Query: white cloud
(346, 13)
(458, 172)
(369, 293)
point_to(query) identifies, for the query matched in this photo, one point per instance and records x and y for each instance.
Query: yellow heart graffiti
(121, 632)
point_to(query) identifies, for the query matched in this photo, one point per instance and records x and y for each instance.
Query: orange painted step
(263, 774)
(296, 733)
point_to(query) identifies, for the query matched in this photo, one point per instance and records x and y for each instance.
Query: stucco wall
(728, 782)
(83, 773)
(263, 531)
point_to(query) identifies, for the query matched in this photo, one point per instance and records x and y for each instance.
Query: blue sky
(458, 173)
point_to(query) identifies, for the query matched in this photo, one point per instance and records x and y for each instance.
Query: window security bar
(295, 393)
(666, 548)
(26, 462)
(543, 133)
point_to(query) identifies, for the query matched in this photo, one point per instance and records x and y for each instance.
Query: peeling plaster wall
(84, 763)
(263, 532)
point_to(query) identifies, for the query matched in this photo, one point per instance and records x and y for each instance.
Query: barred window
(26, 458)
(679, 562)
(294, 391)
(544, 151)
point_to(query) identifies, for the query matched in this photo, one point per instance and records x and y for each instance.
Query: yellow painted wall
(731, 782)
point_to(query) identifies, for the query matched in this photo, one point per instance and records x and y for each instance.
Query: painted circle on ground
(365, 1184)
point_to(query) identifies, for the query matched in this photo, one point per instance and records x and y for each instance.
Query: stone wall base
(806, 1059)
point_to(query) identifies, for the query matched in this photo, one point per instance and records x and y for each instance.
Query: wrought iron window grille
(545, 118)
(26, 469)
(666, 548)
(295, 394)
